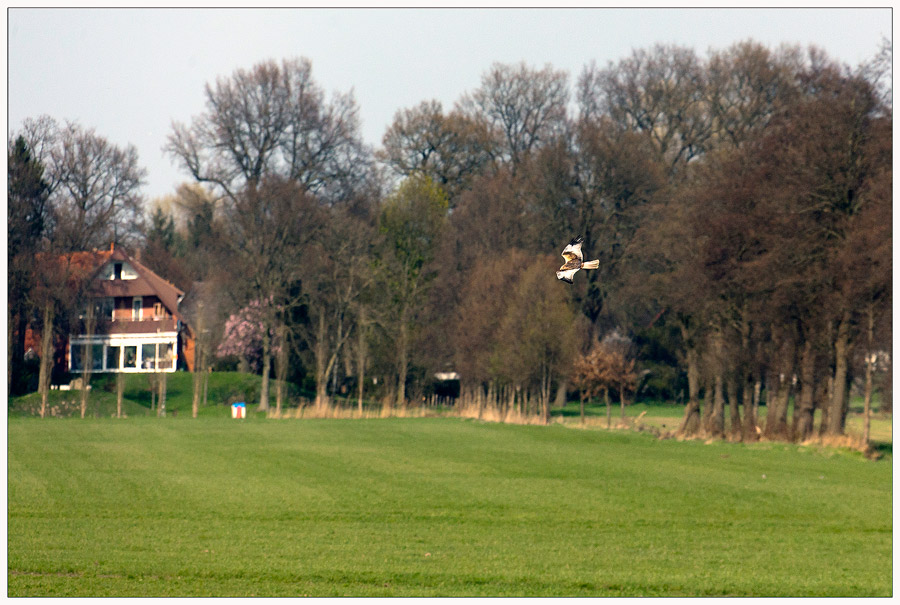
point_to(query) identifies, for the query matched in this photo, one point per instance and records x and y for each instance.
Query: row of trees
(739, 204)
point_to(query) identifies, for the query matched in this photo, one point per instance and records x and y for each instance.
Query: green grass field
(147, 507)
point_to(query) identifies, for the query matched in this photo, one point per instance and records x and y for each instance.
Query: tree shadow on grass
(882, 448)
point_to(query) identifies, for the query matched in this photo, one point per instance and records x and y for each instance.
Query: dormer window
(119, 270)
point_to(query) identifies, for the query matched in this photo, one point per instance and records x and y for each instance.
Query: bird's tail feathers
(591, 264)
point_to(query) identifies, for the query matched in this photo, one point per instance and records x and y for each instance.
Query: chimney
(112, 246)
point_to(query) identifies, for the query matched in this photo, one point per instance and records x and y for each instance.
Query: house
(138, 327)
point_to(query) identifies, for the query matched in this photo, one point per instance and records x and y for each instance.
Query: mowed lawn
(432, 507)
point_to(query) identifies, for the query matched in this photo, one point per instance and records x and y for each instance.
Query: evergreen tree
(27, 194)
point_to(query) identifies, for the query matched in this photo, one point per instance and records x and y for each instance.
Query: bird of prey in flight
(574, 261)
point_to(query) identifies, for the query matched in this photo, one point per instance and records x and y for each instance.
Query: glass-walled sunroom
(153, 354)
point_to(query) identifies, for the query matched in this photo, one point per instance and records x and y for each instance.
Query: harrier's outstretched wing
(566, 276)
(573, 250)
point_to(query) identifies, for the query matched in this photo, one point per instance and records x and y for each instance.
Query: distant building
(138, 325)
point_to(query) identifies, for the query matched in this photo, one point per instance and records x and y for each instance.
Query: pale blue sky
(128, 73)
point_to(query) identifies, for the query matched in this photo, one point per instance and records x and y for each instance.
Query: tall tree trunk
(88, 357)
(561, 391)
(690, 424)
(321, 365)
(199, 361)
(161, 408)
(748, 430)
(281, 363)
(266, 365)
(715, 419)
(197, 378)
(754, 415)
(733, 408)
(403, 359)
(867, 398)
(716, 424)
(870, 370)
(826, 394)
(46, 357)
(334, 366)
(120, 392)
(837, 413)
(546, 379)
(608, 408)
(19, 346)
(361, 355)
(10, 349)
(749, 422)
(778, 394)
(778, 389)
(804, 408)
(205, 380)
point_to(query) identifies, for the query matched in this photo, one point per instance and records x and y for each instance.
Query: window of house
(105, 308)
(78, 351)
(148, 356)
(117, 271)
(97, 356)
(75, 352)
(112, 357)
(136, 306)
(158, 310)
(166, 356)
(129, 356)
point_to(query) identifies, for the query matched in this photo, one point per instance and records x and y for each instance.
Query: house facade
(137, 325)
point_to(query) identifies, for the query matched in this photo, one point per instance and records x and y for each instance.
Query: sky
(129, 73)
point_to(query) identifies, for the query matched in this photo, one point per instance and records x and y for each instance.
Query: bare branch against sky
(129, 73)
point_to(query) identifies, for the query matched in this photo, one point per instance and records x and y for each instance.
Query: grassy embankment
(224, 388)
(432, 507)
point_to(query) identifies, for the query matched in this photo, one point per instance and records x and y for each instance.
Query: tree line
(739, 203)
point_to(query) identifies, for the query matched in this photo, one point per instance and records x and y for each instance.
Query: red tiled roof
(75, 267)
(147, 283)
(80, 265)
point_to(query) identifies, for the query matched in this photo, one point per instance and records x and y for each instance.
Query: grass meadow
(148, 507)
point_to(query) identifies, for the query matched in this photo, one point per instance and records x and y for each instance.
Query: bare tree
(267, 232)
(335, 278)
(272, 120)
(94, 185)
(522, 106)
(450, 149)
(592, 376)
(746, 85)
(202, 308)
(658, 92)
